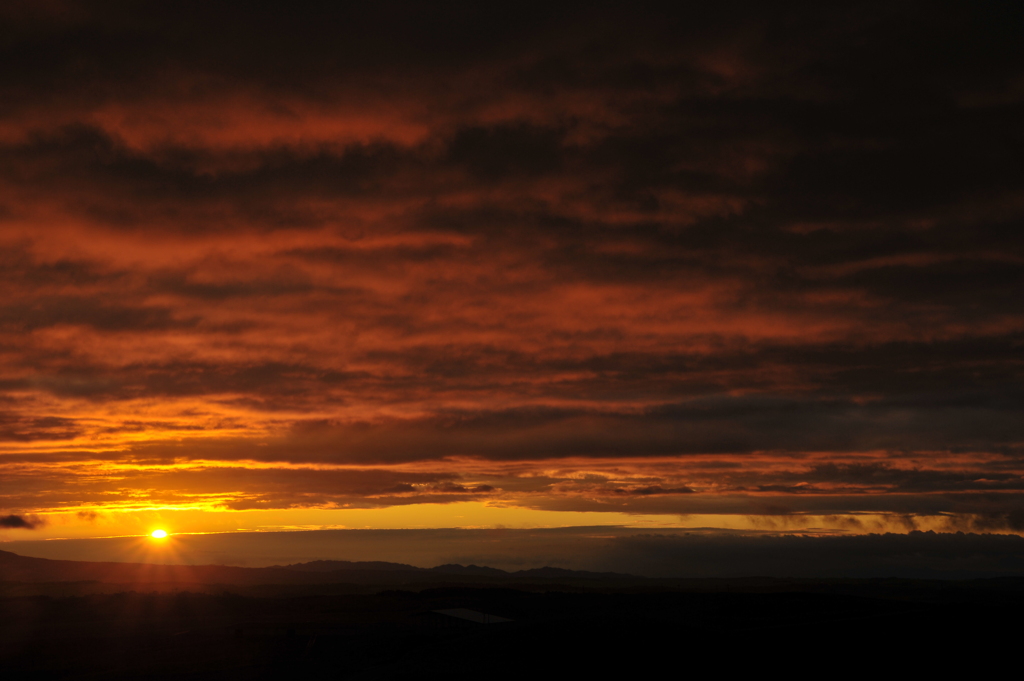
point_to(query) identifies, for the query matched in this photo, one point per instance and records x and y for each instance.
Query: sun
(158, 534)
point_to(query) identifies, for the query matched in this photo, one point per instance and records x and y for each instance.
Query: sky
(748, 266)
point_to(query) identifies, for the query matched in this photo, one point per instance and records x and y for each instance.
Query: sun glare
(158, 534)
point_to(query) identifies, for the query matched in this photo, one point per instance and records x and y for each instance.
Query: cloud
(18, 522)
(15, 428)
(454, 239)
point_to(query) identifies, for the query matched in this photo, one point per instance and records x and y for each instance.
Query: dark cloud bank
(19, 522)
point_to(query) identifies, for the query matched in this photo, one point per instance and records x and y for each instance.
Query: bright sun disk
(158, 534)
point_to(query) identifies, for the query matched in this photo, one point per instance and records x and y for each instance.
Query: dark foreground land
(600, 628)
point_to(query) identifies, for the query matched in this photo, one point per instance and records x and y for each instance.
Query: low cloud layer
(759, 260)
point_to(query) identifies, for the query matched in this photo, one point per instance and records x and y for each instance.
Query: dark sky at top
(741, 258)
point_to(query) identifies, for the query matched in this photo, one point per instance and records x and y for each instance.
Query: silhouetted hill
(453, 569)
(562, 573)
(16, 568)
(342, 565)
(26, 576)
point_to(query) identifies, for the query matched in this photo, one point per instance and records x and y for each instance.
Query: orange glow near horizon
(464, 515)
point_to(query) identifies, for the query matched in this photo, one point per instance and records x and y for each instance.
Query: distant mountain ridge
(341, 565)
(329, 566)
(347, 565)
(17, 568)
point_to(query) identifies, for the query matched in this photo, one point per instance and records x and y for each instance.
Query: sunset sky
(751, 266)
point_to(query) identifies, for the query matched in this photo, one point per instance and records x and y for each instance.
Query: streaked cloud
(729, 260)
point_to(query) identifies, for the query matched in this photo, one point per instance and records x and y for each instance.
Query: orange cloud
(614, 266)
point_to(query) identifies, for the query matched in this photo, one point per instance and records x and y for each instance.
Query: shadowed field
(339, 630)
